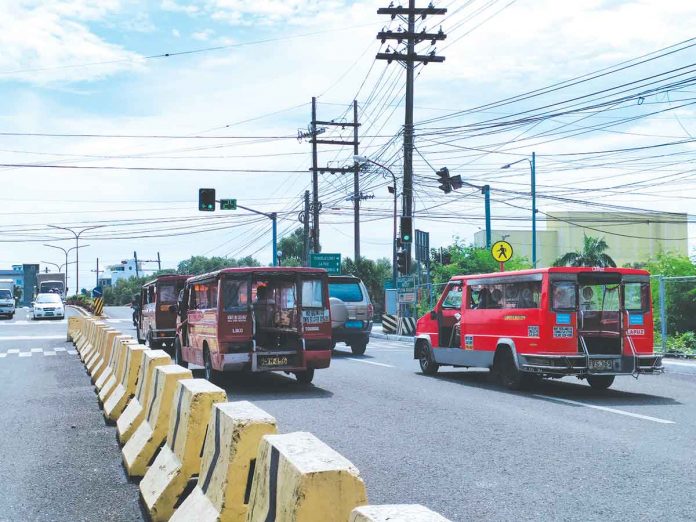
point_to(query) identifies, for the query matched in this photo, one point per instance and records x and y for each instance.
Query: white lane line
(13, 350)
(49, 353)
(25, 354)
(369, 362)
(610, 410)
(72, 352)
(29, 337)
(59, 349)
(3, 355)
(36, 350)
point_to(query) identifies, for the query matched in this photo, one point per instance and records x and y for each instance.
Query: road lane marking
(36, 350)
(369, 362)
(72, 352)
(49, 353)
(3, 355)
(604, 408)
(59, 349)
(29, 337)
(25, 354)
(13, 351)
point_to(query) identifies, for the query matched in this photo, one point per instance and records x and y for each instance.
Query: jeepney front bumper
(582, 365)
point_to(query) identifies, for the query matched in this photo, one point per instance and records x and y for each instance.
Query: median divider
(180, 458)
(141, 449)
(134, 413)
(227, 465)
(125, 388)
(395, 513)
(74, 327)
(204, 459)
(298, 477)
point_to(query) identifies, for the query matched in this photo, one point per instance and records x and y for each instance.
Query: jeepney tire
(178, 358)
(358, 347)
(425, 359)
(305, 377)
(600, 382)
(209, 372)
(510, 376)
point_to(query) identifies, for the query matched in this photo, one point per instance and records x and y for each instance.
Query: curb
(392, 337)
(81, 311)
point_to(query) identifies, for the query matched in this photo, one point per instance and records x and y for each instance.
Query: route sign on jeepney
(330, 262)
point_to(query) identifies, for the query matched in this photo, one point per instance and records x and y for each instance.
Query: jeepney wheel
(305, 377)
(208, 371)
(358, 347)
(425, 358)
(509, 375)
(178, 358)
(600, 382)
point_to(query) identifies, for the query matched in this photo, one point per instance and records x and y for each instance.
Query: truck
(7, 300)
(50, 283)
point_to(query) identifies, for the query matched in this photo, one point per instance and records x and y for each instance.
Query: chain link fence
(674, 315)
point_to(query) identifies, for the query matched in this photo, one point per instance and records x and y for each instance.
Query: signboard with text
(329, 262)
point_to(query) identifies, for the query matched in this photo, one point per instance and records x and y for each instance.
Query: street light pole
(532, 165)
(77, 250)
(66, 252)
(364, 159)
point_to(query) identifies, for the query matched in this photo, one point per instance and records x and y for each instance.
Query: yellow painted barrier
(74, 326)
(120, 370)
(299, 478)
(111, 365)
(234, 433)
(141, 448)
(134, 413)
(83, 337)
(86, 346)
(125, 387)
(104, 344)
(108, 358)
(395, 513)
(95, 340)
(180, 458)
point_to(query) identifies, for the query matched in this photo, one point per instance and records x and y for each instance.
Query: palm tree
(593, 254)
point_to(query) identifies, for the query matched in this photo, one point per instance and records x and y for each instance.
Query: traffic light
(456, 182)
(444, 178)
(206, 199)
(406, 229)
(403, 262)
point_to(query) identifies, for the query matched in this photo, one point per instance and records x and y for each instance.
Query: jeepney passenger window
(636, 297)
(312, 294)
(453, 299)
(522, 295)
(564, 296)
(201, 297)
(234, 295)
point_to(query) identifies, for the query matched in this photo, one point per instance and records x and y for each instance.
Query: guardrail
(204, 459)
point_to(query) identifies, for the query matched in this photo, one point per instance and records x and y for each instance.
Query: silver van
(351, 312)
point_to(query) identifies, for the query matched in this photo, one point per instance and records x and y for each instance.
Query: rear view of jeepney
(276, 320)
(601, 326)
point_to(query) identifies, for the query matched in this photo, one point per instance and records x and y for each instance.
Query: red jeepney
(256, 319)
(157, 313)
(594, 323)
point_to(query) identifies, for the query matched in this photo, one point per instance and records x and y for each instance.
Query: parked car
(351, 312)
(7, 303)
(48, 306)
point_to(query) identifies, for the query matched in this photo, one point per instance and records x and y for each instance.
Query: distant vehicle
(351, 312)
(48, 306)
(155, 313)
(256, 319)
(593, 323)
(7, 301)
(50, 283)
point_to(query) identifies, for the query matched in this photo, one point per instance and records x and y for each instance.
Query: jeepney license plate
(270, 361)
(601, 364)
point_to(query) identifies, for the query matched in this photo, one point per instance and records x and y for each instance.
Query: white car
(48, 305)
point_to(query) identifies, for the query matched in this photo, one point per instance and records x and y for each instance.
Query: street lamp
(77, 251)
(58, 267)
(66, 252)
(532, 164)
(364, 159)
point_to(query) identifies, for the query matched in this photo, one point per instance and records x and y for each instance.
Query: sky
(153, 100)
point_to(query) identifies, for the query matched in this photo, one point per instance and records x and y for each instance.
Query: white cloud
(175, 7)
(52, 36)
(176, 33)
(203, 36)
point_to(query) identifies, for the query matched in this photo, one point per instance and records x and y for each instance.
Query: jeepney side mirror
(433, 315)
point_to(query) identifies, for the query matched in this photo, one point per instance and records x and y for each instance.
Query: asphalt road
(455, 442)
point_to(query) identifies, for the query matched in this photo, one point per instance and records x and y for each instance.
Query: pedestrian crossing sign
(501, 251)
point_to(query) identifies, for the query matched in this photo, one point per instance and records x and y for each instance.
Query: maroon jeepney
(157, 313)
(256, 319)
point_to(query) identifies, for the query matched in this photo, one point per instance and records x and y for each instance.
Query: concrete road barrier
(125, 388)
(299, 478)
(74, 327)
(96, 343)
(105, 342)
(229, 455)
(141, 449)
(134, 413)
(395, 513)
(117, 375)
(86, 346)
(109, 362)
(83, 335)
(180, 458)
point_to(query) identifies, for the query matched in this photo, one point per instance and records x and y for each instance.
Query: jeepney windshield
(312, 294)
(235, 295)
(167, 293)
(600, 298)
(453, 299)
(636, 297)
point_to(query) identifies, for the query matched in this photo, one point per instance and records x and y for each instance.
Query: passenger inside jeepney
(264, 306)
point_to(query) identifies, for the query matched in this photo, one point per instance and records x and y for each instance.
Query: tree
(292, 248)
(593, 254)
(200, 264)
(372, 273)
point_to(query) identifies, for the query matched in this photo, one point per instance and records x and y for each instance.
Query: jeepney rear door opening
(275, 307)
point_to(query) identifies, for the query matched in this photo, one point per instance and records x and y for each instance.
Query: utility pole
(137, 270)
(98, 272)
(356, 184)
(486, 190)
(318, 127)
(409, 60)
(305, 222)
(159, 262)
